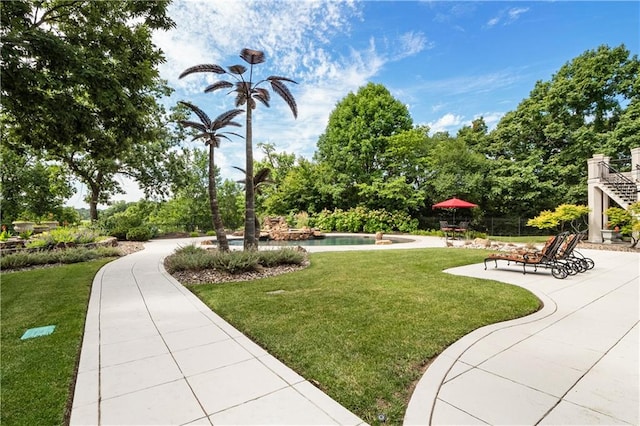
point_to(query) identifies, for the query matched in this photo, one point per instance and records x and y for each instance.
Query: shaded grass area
(364, 324)
(37, 374)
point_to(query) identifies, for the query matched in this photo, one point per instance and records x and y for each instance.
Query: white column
(635, 162)
(598, 201)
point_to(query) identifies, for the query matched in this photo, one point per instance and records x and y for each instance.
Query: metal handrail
(618, 177)
(620, 183)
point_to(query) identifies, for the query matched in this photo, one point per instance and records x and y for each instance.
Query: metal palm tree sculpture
(247, 93)
(262, 178)
(210, 132)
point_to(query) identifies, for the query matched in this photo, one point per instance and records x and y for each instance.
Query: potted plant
(607, 234)
(627, 223)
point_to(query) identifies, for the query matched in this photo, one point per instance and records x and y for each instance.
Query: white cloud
(308, 41)
(412, 43)
(507, 16)
(491, 119)
(447, 122)
(295, 36)
(472, 84)
(514, 13)
(492, 22)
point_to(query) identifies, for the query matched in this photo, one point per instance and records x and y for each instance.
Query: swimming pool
(328, 240)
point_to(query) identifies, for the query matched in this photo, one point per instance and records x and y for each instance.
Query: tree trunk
(93, 208)
(221, 236)
(250, 242)
(93, 201)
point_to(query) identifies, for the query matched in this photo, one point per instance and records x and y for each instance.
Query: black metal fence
(498, 226)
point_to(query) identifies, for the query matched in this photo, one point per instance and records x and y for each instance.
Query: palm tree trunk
(221, 236)
(250, 242)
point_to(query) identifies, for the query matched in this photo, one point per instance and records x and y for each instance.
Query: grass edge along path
(38, 374)
(362, 325)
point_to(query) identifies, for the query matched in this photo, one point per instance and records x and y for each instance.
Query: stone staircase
(618, 186)
(607, 185)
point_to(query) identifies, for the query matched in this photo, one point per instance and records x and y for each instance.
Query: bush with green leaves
(192, 258)
(628, 221)
(361, 219)
(139, 233)
(122, 218)
(285, 256)
(66, 236)
(564, 216)
(23, 259)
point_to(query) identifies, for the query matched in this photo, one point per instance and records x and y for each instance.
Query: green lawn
(37, 374)
(364, 324)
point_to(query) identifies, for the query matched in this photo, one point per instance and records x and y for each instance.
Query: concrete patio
(573, 362)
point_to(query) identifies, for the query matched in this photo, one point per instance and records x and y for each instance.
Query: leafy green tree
(189, 208)
(230, 197)
(404, 165)
(589, 106)
(564, 216)
(356, 138)
(455, 170)
(210, 131)
(307, 186)
(80, 83)
(30, 188)
(247, 93)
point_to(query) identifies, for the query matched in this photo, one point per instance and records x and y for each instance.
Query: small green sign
(37, 332)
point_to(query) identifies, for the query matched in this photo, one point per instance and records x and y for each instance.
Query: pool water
(329, 240)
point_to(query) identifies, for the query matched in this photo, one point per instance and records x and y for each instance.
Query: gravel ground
(209, 276)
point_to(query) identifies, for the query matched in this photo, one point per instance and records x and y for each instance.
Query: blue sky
(449, 62)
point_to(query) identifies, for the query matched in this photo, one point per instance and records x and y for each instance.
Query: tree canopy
(371, 155)
(80, 85)
(356, 138)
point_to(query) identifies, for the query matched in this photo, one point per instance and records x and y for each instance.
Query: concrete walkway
(154, 354)
(573, 362)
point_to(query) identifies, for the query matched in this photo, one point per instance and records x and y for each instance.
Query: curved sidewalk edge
(574, 361)
(153, 353)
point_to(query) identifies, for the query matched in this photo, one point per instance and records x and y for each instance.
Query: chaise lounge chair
(547, 257)
(574, 260)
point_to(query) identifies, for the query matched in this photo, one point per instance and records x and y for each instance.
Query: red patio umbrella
(454, 203)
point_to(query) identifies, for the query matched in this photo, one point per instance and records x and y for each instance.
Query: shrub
(139, 233)
(188, 258)
(74, 255)
(192, 258)
(285, 256)
(25, 235)
(361, 219)
(194, 234)
(39, 243)
(63, 235)
(564, 215)
(236, 262)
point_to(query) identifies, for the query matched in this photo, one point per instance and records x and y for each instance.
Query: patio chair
(462, 228)
(547, 257)
(446, 228)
